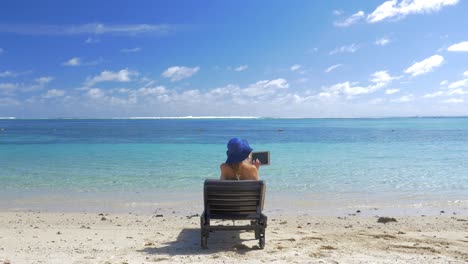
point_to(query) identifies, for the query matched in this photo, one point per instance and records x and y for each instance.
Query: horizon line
(213, 117)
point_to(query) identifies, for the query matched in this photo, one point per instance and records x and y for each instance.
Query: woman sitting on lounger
(239, 165)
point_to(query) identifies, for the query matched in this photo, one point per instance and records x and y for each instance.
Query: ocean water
(413, 162)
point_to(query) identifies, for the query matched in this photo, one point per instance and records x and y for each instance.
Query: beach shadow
(188, 243)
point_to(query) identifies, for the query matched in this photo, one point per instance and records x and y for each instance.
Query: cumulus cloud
(338, 12)
(261, 91)
(465, 74)
(145, 91)
(381, 77)
(458, 84)
(44, 80)
(350, 20)
(177, 73)
(345, 49)
(75, 61)
(7, 74)
(131, 50)
(425, 65)
(395, 9)
(382, 41)
(266, 87)
(333, 67)
(8, 88)
(434, 94)
(8, 102)
(453, 101)
(392, 91)
(95, 93)
(123, 75)
(295, 67)
(91, 40)
(459, 47)
(378, 80)
(404, 99)
(457, 91)
(241, 68)
(54, 93)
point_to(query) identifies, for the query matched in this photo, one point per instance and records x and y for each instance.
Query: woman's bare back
(246, 172)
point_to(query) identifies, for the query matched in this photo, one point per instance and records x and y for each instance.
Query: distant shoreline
(216, 117)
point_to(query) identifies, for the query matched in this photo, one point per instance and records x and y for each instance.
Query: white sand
(34, 237)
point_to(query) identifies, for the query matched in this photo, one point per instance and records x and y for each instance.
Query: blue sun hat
(238, 150)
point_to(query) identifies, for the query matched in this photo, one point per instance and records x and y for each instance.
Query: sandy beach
(45, 237)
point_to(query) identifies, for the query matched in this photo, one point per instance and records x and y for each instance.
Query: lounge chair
(234, 200)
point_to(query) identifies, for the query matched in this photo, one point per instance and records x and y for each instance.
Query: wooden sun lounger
(234, 200)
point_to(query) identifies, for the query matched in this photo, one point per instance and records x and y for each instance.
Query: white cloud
(458, 84)
(392, 91)
(465, 74)
(8, 102)
(54, 93)
(241, 68)
(7, 74)
(132, 50)
(95, 93)
(382, 41)
(443, 83)
(398, 9)
(44, 80)
(350, 20)
(349, 49)
(177, 73)
(338, 12)
(8, 88)
(123, 75)
(333, 67)
(453, 101)
(81, 29)
(350, 90)
(404, 99)
(75, 61)
(457, 92)
(425, 65)
(462, 46)
(152, 91)
(435, 94)
(379, 79)
(265, 87)
(295, 67)
(91, 40)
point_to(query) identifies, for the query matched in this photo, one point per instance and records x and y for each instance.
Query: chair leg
(261, 240)
(262, 222)
(204, 232)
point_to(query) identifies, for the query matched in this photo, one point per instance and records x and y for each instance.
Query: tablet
(262, 156)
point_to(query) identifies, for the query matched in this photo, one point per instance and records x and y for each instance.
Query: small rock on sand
(385, 220)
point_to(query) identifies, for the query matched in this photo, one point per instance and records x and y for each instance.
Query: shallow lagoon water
(341, 162)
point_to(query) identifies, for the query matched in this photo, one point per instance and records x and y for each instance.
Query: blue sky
(233, 58)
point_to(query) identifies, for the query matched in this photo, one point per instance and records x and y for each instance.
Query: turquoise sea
(320, 164)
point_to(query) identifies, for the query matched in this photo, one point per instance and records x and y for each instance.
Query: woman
(239, 165)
